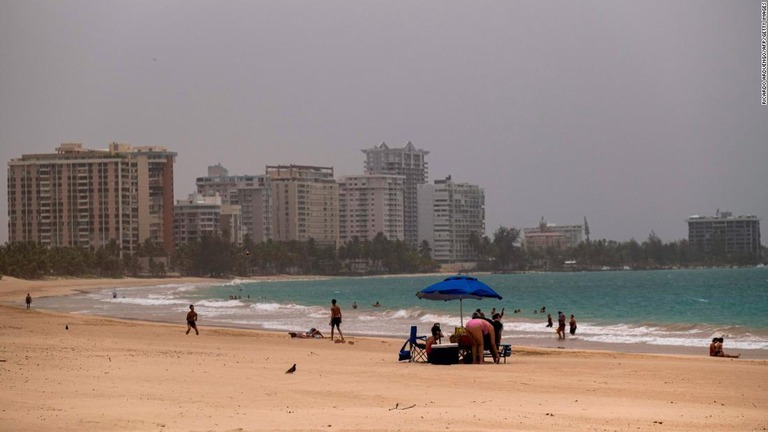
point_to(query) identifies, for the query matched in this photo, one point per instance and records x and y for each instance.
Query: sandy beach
(72, 373)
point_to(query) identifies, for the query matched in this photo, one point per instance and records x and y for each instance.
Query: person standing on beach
(560, 325)
(192, 320)
(29, 301)
(335, 319)
(498, 327)
(572, 325)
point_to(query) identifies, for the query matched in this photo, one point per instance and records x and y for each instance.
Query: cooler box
(444, 354)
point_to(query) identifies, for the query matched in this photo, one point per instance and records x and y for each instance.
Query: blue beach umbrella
(458, 288)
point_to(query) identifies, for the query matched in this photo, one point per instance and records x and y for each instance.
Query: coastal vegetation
(216, 257)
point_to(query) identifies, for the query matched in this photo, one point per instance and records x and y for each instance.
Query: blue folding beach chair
(416, 348)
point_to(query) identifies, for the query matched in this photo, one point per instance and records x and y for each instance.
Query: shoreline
(70, 372)
(12, 291)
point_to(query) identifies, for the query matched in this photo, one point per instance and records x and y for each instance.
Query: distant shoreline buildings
(725, 233)
(89, 198)
(546, 235)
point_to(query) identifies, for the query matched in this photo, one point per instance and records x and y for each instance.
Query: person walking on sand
(192, 320)
(560, 325)
(335, 319)
(572, 325)
(29, 301)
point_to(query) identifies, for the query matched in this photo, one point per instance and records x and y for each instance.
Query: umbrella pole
(461, 311)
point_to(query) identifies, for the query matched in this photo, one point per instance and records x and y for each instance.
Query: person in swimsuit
(437, 333)
(549, 320)
(498, 327)
(572, 325)
(335, 319)
(192, 320)
(719, 350)
(481, 331)
(313, 333)
(560, 325)
(28, 300)
(713, 348)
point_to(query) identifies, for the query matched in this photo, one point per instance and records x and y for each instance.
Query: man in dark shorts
(28, 300)
(335, 319)
(191, 320)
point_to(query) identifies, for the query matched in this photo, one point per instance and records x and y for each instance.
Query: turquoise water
(663, 308)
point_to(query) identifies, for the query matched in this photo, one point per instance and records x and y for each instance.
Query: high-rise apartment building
(370, 204)
(252, 193)
(84, 197)
(725, 233)
(410, 163)
(305, 204)
(448, 215)
(195, 217)
(200, 215)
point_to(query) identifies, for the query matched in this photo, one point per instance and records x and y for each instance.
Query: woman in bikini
(480, 329)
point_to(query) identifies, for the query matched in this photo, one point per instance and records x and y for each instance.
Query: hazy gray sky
(634, 114)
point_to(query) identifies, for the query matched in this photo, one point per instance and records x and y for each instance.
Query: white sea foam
(190, 287)
(146, 301)
(220, 303)
(235, 282)
(402, 314)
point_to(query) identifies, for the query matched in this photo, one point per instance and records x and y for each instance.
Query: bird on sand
(292, 369)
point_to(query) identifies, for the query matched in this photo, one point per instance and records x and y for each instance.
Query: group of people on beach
(482, 333)
(561, 324)
(485, 334)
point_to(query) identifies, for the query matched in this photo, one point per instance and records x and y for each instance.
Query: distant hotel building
(448, 215)
(370, 204)
(731, 234)
(252, 193)
(561, 237)
(305, 204)
(84, 197)
(410, 163)
(201, 215)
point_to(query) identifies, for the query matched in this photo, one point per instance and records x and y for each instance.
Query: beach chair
(416, 348)
(505, 350)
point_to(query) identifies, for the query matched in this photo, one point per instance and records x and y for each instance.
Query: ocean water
(674, 308)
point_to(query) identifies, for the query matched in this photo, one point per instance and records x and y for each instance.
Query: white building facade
(252, 193)
(305, 204)
(410, 163)
(370, 204)
(561, 237)
(448, 214)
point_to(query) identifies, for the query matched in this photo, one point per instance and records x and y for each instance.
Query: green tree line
(213, 256)
(503, 253)
(216, 257)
